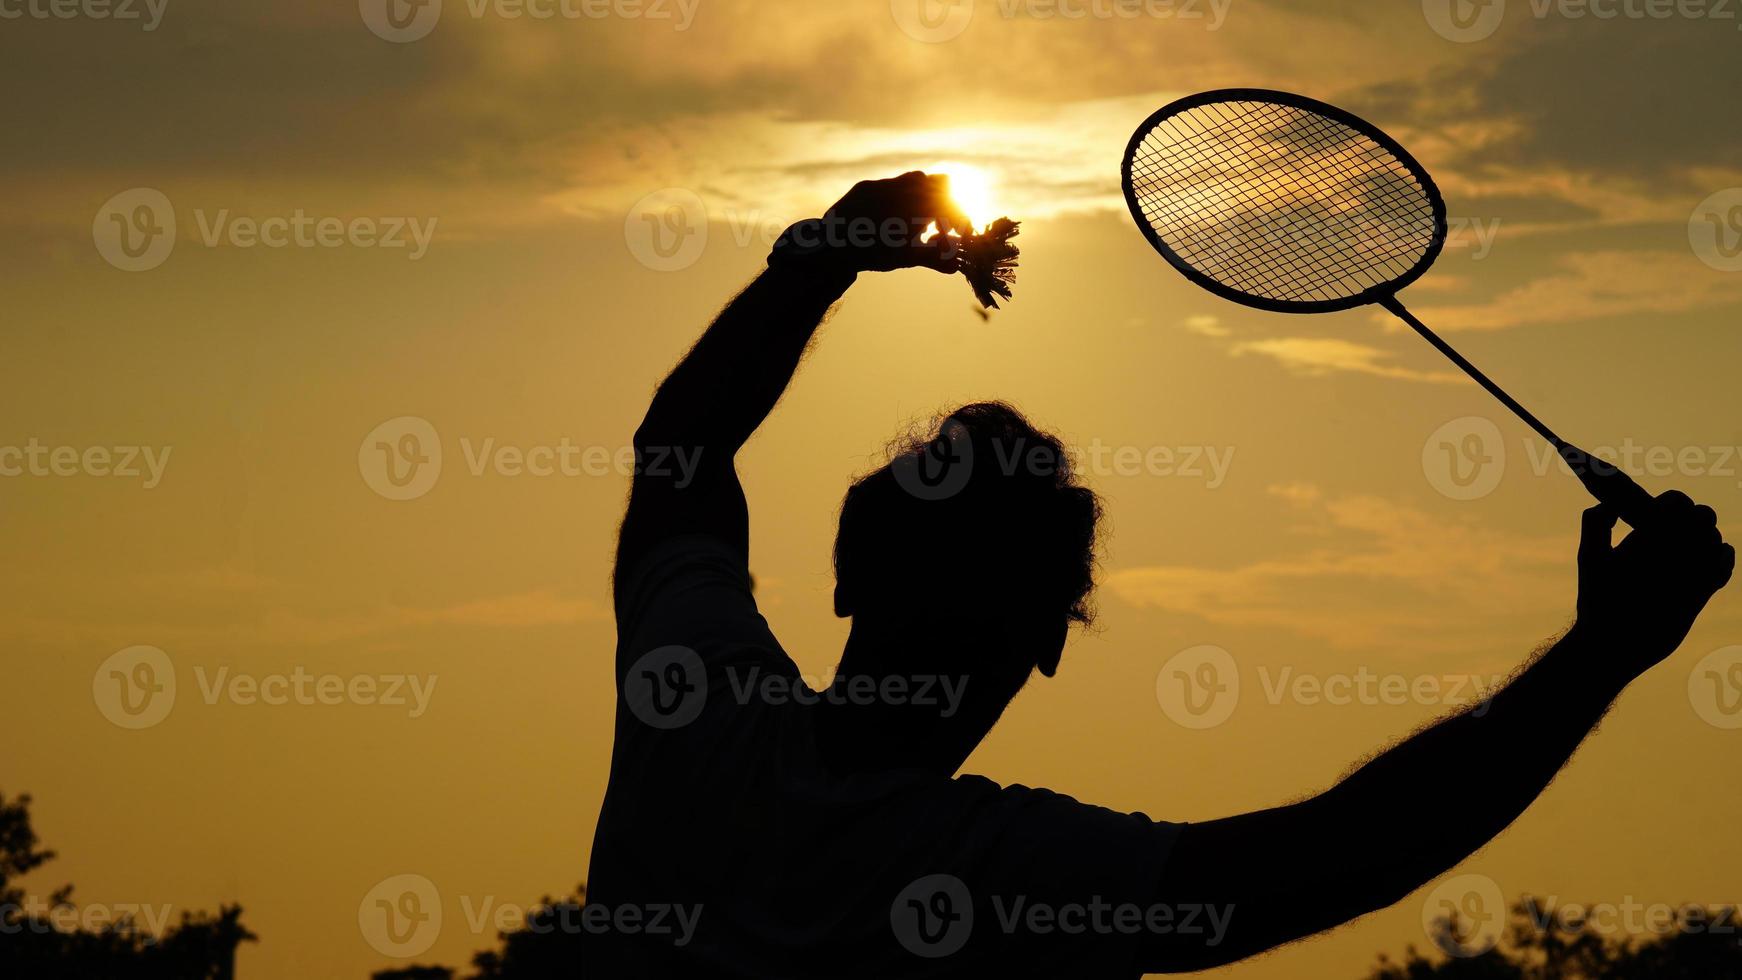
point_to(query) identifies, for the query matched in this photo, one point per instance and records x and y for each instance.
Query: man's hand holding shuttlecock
(882, 225)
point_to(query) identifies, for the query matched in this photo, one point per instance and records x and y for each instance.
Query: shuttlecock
(989, 261)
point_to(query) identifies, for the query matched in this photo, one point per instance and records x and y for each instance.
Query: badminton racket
(1285, 203)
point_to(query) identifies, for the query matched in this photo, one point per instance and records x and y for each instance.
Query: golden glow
(972, 189)
(1280, 487)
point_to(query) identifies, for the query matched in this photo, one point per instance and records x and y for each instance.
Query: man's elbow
(647, 435)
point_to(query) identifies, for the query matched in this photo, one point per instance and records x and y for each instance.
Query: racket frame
(1374, 294)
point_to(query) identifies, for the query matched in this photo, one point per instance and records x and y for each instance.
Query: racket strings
(1281, 202)
(1265, 255)
(1257, 253)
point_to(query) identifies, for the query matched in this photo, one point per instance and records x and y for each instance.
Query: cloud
(540, 608)
(753, 168)
(245, 612)
(1320, 356)
(1206, 326)
(498, 121)
(1593, 285)
(1392, 578)
(1299, 493)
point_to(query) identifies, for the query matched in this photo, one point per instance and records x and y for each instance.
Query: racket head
(1341, 279)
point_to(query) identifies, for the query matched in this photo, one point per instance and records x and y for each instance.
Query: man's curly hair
(982, 507)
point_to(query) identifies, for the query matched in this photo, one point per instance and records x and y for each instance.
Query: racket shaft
(1605, 481)
(1609, 484)
(1397, 309)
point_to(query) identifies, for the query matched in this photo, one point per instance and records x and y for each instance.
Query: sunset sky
(529, 219)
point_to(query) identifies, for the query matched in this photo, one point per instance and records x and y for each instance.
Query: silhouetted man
(755, 828)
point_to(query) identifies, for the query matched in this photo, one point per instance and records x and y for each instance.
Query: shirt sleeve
(1070, 887)
(693, 592)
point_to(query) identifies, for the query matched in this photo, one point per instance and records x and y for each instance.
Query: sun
(972, 190)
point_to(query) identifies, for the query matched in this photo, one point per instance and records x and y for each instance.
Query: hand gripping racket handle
(1609, 484)
(1604, 480)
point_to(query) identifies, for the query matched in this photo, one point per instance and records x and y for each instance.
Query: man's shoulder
(692, 592)
(673, 560)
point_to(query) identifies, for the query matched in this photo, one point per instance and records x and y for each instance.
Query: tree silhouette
(547, 947)
(1538, 945)
(33, 945)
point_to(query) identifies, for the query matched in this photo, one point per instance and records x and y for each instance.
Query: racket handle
(1609, 484)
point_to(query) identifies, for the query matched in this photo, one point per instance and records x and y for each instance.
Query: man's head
(967, 556)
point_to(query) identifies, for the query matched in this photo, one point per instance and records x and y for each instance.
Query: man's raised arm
(1419, 808)
(706, 409)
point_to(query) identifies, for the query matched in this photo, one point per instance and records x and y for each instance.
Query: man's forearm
(1424, 805)
(729, 382)
(1403, 818)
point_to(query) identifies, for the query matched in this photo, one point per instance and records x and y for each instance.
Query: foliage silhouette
(547, 947)
(1541, 945)
(34, 943)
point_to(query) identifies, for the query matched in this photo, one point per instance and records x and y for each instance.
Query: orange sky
(1279, 487)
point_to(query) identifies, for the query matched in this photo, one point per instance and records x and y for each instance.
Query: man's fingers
(941, 254)
(1674, 502)
(1726, 564)
(941, 207)
(1596, 534)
